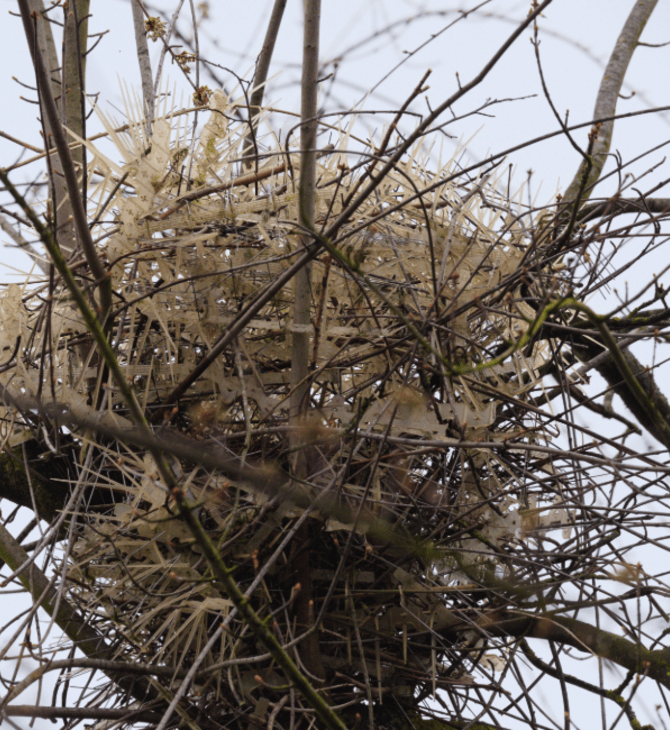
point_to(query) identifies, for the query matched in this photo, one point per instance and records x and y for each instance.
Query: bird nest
(413, 301)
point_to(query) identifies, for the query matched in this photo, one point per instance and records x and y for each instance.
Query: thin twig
(166, 45)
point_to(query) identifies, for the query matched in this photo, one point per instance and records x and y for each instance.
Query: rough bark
(39, 35)
(144, 62)
(301, 329)
(628, 654)
(590, 168)
(588, 349)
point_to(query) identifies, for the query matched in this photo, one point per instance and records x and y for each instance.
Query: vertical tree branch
(67, 167)
(41, 28)
(145, 64)
(301, 332)
(74, 73)
(260, 77)
(307, 198)
(608, 93)
(279, 282)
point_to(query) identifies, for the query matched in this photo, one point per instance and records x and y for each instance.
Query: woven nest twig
(183, 265)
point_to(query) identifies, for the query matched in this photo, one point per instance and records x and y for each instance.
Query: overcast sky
(577, 37)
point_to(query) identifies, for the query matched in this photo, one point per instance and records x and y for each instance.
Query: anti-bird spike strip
(182, 267)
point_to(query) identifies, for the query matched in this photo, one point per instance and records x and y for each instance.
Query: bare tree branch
(606, 101)
(45, 42)
(585, 637)
(302, 284)
(68, 169)
(261, 75)
(144, 63)
(81, 713)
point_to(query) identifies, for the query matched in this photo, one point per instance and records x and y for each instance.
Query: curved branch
(569, 679)
(44, 40)
(624, 373)
(608, 93)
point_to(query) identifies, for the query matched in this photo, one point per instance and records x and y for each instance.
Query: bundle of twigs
(421, 339)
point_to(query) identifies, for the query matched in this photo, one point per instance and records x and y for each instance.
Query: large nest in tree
(413, 303)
